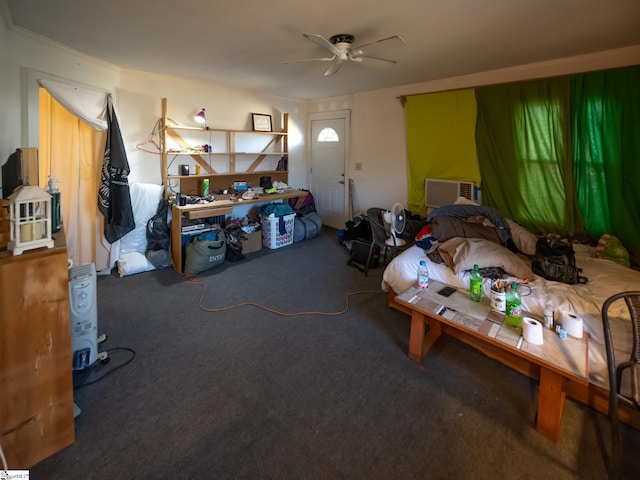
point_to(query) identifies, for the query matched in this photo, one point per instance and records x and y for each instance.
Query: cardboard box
(253, 243)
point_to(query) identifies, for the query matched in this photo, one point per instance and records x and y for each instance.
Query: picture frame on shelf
(261, 122)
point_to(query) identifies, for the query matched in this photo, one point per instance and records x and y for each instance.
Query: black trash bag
(158, 232)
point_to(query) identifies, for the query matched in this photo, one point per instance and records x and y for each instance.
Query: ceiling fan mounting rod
(342, 38)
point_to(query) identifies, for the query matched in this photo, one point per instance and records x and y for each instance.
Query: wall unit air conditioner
(444, 192)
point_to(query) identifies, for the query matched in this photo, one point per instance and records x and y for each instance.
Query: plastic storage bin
(271, 236)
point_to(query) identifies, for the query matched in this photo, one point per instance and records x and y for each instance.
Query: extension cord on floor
(4, 460)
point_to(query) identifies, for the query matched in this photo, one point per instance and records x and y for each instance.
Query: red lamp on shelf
(201, 118)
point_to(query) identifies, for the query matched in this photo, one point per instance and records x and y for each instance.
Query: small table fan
(395, 218)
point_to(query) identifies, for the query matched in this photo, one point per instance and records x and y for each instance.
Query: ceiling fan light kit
(340, 47)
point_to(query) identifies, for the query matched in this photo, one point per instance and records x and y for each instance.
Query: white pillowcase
(462, 254)
(464, 201)
(524, 240)
(133, 262)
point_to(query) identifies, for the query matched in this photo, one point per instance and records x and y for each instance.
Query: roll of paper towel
(532, 331)
(572, 324)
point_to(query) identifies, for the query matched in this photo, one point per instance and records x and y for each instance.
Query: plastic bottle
(56, 211)
(513, 312)
(475, 284)
(548, 318)
(423, 275)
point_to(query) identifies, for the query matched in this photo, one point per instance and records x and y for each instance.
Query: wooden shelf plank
(203, 129)
(204, 154)
(228, 174)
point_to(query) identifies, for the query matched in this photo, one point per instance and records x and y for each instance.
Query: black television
(21, 168)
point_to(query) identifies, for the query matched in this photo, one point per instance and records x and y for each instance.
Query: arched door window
(328, 135)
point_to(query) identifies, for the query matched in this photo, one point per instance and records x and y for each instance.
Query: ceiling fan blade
(324, 59)
(394, 40)
(323, 42)
(374, 61)
(334, 68)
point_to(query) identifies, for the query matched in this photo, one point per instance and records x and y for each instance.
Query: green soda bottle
(475, 284)
(513, 311)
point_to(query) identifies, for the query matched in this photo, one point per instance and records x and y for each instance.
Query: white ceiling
(242, 43)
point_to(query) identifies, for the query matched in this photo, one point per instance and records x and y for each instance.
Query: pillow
(145, 198)
(523, 239)
(133, 262)
(464, 201)
(461, 254)
(583, 250)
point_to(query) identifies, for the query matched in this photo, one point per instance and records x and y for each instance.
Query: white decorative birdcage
(30, 219)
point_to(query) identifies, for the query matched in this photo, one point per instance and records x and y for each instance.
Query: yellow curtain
(440, 141)
(71, 151)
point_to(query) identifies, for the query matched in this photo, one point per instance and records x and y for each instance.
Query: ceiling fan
(342, 51)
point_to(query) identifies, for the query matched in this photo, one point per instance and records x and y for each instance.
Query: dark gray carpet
(248, 394)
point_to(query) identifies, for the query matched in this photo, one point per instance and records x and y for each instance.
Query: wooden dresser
(36, 385)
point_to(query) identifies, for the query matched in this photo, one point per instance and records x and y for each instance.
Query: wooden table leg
(550, 404)
(432, 336)
(416, 336)
(418, 344)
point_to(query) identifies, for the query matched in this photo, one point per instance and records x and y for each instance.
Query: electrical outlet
(358, 166)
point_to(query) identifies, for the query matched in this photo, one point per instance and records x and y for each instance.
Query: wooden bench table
(552, 363)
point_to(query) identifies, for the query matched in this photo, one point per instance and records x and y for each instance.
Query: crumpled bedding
(606, 278)
(445, 228)
(466, 210)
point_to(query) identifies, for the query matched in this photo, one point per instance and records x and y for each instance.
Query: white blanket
(606, 278)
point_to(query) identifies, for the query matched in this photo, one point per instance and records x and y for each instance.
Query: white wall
(378, 144)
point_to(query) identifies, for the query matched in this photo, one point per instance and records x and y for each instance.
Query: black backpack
(556, 260)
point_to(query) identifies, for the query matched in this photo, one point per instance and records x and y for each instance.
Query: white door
(329, 147)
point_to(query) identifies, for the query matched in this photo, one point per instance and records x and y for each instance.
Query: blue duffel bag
(306, 226)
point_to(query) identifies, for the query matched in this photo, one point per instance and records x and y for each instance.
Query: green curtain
(606, 143)
(440, 141)
(524, 154)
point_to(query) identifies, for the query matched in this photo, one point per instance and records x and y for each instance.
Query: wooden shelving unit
(224, 164)
(236, 155)
(221, 206)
